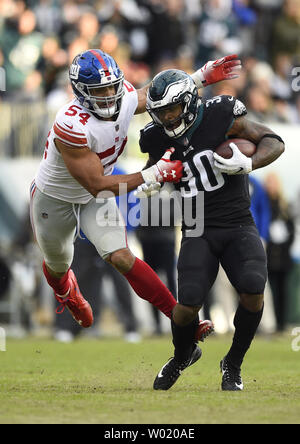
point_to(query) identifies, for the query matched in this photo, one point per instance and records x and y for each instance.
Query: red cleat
(80, 308)
(204, 329)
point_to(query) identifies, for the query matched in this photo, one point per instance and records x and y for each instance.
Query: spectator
(166, 25)
(286, 31)
(218, 32)
(281, 81)
(281, 236)
(52, 63)
(245, 14)
(21, 46)
(259, 105)
(48, 17)
(5, 277)
(267, 12)
(260, 208)
(247, 19)
(157, 240)
(88, 27)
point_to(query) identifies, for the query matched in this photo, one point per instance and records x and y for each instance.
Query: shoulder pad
(70, 125)
(151, 135)
(226, 104)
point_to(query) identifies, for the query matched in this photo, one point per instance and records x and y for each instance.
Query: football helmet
(92, 71)
(168, 89)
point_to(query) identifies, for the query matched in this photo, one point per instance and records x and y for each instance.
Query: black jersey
(226, 197)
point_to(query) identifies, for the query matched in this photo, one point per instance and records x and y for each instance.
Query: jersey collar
(185, 138)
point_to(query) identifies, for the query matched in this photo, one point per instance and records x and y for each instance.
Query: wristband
(151, 175)
(273, 136)
(198, 78)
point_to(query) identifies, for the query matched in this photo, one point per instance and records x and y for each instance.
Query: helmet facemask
(184, 119)
(104, 106)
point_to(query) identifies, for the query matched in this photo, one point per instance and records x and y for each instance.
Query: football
(245, 146)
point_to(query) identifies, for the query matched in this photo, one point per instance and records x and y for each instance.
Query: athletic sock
(246, 323)
(60, 286)
(148, 286)
(184, 339)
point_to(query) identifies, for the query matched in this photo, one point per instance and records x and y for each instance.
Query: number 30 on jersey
(201, 175)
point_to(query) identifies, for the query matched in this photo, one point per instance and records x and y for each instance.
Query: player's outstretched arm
(269, 145)
(86, 167)
(148, 189)
(226, 68)
(142, 99)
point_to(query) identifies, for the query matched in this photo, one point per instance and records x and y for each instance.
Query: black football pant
(240, 252)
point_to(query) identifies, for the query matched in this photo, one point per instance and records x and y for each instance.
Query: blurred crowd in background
(40, 38)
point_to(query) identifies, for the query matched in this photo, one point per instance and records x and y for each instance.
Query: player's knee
(191, 294)
(59, 268)
(122, 260)
(252, 282)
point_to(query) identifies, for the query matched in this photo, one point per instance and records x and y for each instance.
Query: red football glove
(165, 170)
(214, 71)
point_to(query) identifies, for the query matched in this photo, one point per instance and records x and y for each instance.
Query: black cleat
(231, 380)
(171, 371)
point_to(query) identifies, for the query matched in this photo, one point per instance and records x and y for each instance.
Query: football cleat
(79, 308)
(171, 371)
(231, 379)
(204, 329)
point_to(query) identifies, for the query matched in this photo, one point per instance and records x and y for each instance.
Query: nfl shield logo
(117, 127)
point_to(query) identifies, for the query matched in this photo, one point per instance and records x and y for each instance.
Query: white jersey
(78, 127)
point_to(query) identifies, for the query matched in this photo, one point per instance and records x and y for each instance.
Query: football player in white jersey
(83, 145)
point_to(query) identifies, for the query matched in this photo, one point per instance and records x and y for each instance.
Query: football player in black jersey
(195, 128)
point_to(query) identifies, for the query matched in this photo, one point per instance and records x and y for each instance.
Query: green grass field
(110, 382)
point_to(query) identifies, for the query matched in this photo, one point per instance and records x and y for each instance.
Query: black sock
(246, 324)
(184, 339)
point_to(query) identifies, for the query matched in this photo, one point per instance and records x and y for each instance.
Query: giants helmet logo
(74, 71)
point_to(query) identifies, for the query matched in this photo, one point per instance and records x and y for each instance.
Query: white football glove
(237, 164)
(147, 190)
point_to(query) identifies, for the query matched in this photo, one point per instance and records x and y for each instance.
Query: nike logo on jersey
(69, 126)
(190, 148)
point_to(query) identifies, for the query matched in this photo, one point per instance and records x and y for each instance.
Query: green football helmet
(173, 101)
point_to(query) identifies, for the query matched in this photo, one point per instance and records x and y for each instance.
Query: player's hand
(169, 170)
(225, 68)
(237, 164)
(165, 170)
(147, 190)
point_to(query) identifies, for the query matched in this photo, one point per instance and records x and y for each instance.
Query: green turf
(110, 382)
